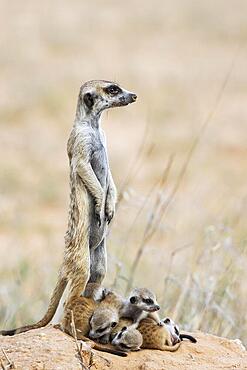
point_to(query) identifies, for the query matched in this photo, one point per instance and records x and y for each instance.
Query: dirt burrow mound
(50, 349)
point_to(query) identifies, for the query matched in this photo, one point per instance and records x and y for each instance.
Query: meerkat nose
(157, 307)
(133, 97)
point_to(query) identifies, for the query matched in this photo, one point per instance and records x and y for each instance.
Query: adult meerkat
(92, 195)
(141, 304)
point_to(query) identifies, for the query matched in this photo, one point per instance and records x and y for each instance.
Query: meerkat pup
(92, 195)
(105, 317)
(157, 337)
(125, 337)
(83, 309)
(175, 333)
(140, 304)
(128, 339)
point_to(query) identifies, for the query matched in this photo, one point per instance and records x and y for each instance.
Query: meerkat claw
(98, 218)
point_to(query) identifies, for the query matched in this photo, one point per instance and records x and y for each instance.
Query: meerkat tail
(100, 347)
(109, 350)
(189, 337)
(56, 296)
(171, 348)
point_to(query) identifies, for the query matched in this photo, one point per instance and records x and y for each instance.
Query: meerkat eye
(148, 300)
(133, 300)
(113, 324)
(124, 328)
(113, 90)
(100, 330)
(124, 346)
(176, 330)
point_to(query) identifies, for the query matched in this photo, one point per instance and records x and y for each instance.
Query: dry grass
(176, 56)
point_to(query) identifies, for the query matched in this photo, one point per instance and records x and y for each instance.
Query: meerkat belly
(99, 163)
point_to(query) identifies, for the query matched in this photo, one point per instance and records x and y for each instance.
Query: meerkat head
(173, 329)
(98, 95)
(128, 339)
(102, 322)
(144, 299)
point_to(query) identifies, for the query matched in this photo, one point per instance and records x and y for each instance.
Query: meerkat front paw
(104, 339)
(109, 211)
(99, 211)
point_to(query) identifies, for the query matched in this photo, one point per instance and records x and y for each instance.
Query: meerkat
(105, 317)
(128, 339)
(83, 309)
(125, 337)
(156, 337)
(175, 333)
(141, 304)
(92, 195)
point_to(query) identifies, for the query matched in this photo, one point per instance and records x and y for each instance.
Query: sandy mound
(49, 348)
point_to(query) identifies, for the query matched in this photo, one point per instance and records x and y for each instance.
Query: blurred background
(178, 155)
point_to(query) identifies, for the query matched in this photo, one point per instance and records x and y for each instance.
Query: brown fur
(156, 337)
(83, 309)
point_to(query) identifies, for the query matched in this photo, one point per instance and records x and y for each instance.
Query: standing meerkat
(92, 195)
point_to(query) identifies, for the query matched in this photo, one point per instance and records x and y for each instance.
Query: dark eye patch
(167, 320)
(112, 90)
(148, 301)
(100, 330)
(119, 335)
(176, 330)
(124, 346)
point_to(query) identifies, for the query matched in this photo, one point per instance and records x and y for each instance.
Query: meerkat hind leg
(173, 348)
(98, 263)
(79, 281)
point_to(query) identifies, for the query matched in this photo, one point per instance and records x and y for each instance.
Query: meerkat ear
(88, 100)
(113, 324)
(124, 328)
(133, 300)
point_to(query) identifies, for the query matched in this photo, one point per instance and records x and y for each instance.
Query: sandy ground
(50, 349)
(175, 55)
